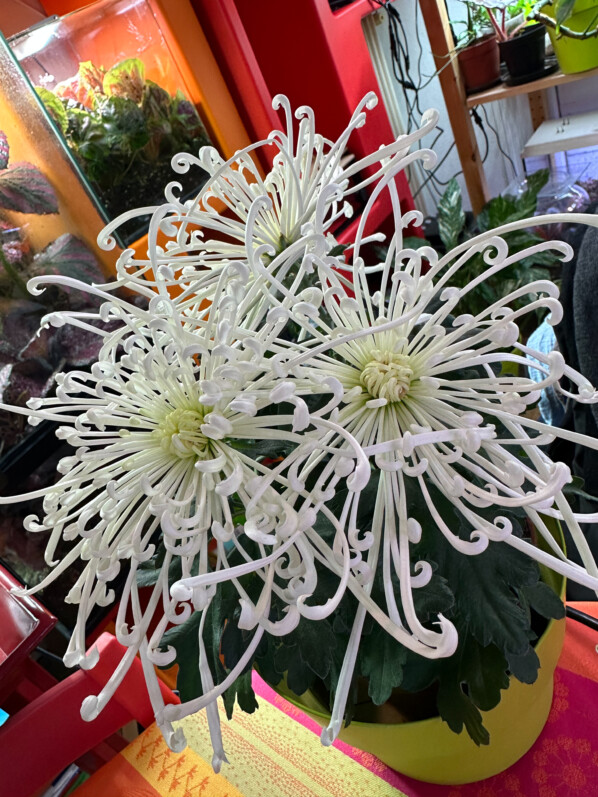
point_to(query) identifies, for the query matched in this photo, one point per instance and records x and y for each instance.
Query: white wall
(510, 117)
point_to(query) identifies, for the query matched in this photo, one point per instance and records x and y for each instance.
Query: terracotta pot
(480, 64)
(524, 54)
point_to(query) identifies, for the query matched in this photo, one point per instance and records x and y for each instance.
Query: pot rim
(541, 643)
(524, 33)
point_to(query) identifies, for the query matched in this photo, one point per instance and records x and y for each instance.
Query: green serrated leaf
(23, 188)
(184, 638)
(457, 710)
(451, 216)
(54, 107)
(544, 600)
(525, 666)
(381, 659)
(482, 584)
(241, 691)
(485, 671)
(126, 79)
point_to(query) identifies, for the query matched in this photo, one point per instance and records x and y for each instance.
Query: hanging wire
(498, 142)
(413, 84)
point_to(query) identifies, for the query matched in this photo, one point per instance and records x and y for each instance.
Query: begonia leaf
(24, 189)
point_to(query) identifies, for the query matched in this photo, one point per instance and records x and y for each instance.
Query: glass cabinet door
(113, 90)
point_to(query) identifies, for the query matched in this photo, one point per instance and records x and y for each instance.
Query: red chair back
(42, 739)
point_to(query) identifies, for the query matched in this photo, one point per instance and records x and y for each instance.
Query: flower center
(179, 434)
(388, 375)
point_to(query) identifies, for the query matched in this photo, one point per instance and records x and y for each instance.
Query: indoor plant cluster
(123, 130)
(514, 32)
(29, 360)
(311, 464)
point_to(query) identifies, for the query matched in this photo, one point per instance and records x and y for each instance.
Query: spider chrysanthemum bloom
(160, 430)
(421, 388)
(306, 191)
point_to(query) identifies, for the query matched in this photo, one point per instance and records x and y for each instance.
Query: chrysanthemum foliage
(318, 466)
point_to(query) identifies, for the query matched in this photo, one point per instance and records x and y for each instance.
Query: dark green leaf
(544, 600)
(242, 690)
(451, 217)
(482, 584)
(382, 659)
(498, 211)
(524, 667)
(24, 188)
(575, 487)
(485, 671)
(457, 710)
(184, 638)
(537, 180)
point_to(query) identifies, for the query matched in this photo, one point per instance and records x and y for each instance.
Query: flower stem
(14, 275)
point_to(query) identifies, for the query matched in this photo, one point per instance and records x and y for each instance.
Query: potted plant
(522, 45)
(573, 31)
(477, 53)
(123, 130)
(312, 465)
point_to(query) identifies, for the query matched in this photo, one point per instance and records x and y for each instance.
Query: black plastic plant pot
(524, 54)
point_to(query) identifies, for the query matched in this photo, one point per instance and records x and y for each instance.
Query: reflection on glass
(108, 81)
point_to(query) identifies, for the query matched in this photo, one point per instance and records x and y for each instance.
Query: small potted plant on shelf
(573, 29)
(522, 45)
(477, 53)
(319, 467)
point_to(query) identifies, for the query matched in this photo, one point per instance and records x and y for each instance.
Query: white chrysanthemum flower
(418, 387)
(306, 191)
(260, 335)
(154, 427)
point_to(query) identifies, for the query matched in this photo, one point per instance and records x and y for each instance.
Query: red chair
(24, 622)
(43, 738)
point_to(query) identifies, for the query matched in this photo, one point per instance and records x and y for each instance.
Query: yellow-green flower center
(179, 434)
(387, 375)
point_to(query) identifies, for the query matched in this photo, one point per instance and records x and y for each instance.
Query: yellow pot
(428, 750)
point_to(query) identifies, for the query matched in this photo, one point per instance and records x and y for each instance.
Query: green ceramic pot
(428, 750)
(576, 55)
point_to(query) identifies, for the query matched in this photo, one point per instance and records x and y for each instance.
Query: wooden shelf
(502, 92)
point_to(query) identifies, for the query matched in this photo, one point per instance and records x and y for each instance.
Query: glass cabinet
(111, 85)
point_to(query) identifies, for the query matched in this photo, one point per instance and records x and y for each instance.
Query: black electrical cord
(478, 120)
(49, 654)
(412, 86)
(582, 617)
(497, 137)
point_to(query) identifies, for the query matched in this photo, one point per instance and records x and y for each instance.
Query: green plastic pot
(575, 55)
(428, 750)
